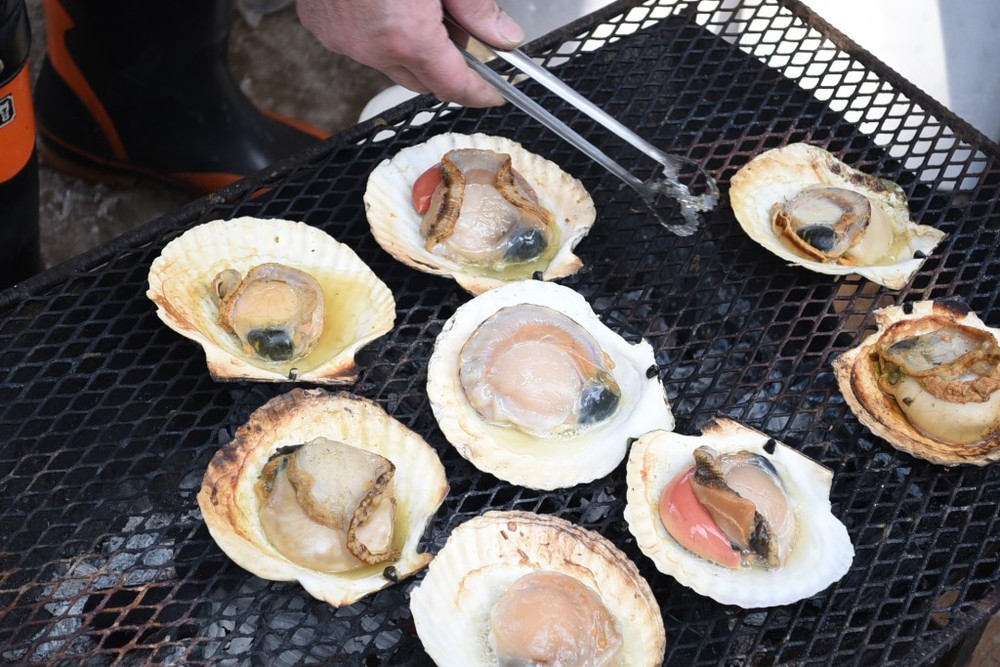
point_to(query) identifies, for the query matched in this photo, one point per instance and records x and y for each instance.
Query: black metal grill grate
(109, 419)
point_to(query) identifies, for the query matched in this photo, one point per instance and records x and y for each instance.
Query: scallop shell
(359, 306)
(229, 504)
(822, 552)
(396, 224)
(556, 461)
(781, 173)
(879, 412)
(484, 555)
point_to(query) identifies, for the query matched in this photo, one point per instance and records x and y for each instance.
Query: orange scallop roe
(687, 520)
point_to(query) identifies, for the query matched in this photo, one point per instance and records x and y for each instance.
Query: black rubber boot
(143, 87)
(20, 254)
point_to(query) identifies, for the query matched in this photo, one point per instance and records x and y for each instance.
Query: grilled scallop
(491, 213)
(324, 489)
(928, 382)
(811, 209)
(517, 588)
(529, 385)
(735, 515)
(270, 300)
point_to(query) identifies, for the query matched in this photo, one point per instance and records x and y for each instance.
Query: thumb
(486, 21)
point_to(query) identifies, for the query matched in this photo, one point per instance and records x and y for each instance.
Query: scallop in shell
(808, 207)
(324, 489)
(529, 385)
(499, 213)
(735, 515)
(928, 382)
(270, 300)
(517, 588)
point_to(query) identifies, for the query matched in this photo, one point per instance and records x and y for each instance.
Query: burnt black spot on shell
(770, 445)
(956, 307)
(273, 344)
(919, 254)
(652, 372)
(908, 307)
(390, 574)
(820, 237)
(538, 275)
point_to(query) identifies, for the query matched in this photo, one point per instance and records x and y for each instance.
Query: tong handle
(519, 99)
(523, 62)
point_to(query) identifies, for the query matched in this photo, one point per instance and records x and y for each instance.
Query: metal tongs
(667, 179)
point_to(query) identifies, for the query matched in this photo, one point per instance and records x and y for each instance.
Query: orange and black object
(20, 254)
(133, 88)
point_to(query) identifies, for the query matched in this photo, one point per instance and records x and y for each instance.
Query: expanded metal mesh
(108, 419)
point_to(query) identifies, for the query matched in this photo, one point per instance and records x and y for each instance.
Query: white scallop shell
(858, 383)
(485, 555)
(556, 461)
(822, 552)
(359, 306)
(230, 506)
(395, 223)
(779, 174)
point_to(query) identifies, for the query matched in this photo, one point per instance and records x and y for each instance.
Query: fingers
(485, 20)
(441, 68)
(407, 41)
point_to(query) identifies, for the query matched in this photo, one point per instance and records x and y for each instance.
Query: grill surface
(109, 419)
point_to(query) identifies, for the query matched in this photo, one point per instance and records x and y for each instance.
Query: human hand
(408, 41)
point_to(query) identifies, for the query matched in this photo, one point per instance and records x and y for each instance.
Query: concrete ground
(308, 83)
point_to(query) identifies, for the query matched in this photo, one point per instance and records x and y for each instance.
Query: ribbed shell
(484, 555)
(229, 504)
(781, 173)
(359, 306)
(858, 382)
(822, 552)
(395, 223)
(557, 461)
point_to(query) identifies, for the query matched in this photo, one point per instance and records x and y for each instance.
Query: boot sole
(119, 175)
(90, 170)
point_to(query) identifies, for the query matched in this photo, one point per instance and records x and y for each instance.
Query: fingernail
(509, 29)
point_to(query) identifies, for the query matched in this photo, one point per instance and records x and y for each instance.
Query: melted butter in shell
(343, 308)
